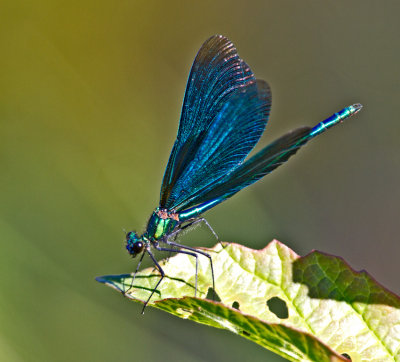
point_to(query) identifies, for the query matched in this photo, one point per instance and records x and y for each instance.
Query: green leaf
(303, 308)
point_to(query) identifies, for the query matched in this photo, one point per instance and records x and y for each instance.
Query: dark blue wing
(261, 164)
(224, 113)
(228, 141)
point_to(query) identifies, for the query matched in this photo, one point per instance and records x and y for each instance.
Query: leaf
(302, 308)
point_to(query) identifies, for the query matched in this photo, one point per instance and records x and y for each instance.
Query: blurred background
(90, 98)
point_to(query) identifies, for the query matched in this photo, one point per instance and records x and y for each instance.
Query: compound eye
(138, 247)
(128, 235)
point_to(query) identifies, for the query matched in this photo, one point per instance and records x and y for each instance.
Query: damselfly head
(134, 243)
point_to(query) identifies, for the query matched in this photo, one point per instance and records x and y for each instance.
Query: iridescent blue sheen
(224, 113)
(334, 119)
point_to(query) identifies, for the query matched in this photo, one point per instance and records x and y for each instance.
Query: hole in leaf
(235, 305)
(346, 356)
(246, 333)
(278, 306)
(212, 295)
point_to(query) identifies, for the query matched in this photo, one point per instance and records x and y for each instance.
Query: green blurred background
(90, 98)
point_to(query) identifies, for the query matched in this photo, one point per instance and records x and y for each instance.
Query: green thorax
(161, 223)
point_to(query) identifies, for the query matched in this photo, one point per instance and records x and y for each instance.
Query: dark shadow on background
(330, 277)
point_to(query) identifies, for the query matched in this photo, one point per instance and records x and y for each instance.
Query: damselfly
(224, 113)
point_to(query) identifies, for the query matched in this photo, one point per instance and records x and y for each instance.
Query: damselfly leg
(197, 252)
(134, 274)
